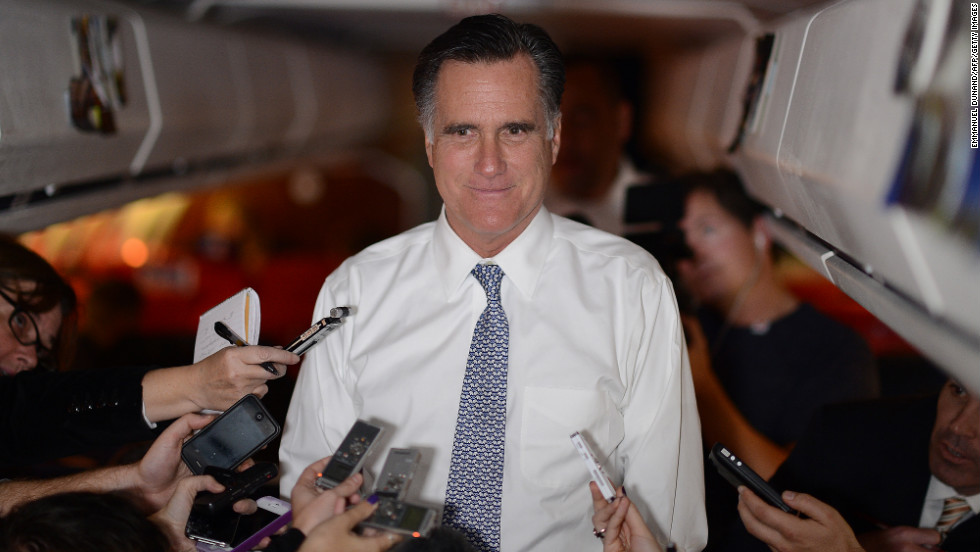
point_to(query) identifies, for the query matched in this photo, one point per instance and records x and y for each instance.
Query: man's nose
(490, 161)
(25, 358)
(967, 420)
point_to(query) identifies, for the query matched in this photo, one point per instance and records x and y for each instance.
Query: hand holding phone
(232, 437)
(350, 455)
(737, 472)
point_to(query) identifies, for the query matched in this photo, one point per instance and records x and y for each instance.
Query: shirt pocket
(551, 415)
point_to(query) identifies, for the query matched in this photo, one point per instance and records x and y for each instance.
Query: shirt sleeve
(661, 449)
(322, 401)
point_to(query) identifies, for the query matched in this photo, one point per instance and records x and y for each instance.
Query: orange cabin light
(134, 252)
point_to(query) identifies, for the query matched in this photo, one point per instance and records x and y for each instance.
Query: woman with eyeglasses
(45, 414)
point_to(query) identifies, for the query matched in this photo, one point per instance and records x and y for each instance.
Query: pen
(229, 335)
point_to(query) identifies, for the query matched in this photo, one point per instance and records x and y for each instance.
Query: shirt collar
(522, 260)
(940, 491)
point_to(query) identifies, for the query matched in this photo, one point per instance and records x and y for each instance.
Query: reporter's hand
(312, 506)
(825, 531)
(337, 533)
(233, 372)
(162, 468)
(623, 526)
(900, 539)
(172, 518)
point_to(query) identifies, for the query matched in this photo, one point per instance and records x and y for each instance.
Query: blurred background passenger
(599, 177)
(765, 361)
(109, 324)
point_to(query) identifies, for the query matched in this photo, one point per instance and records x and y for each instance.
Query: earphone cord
(737, 304)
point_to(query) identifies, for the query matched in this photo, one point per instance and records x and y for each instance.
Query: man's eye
(516, 130)
(19, 319)
(958, 389)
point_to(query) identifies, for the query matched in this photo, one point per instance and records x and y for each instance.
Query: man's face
(954, 449)
(596, 127)
(489, 151)
(725, 256)
(16, 357)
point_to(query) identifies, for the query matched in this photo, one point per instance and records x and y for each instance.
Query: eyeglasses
(24, 328)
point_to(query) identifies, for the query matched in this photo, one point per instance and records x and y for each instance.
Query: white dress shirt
(595, 346)
(932, 508)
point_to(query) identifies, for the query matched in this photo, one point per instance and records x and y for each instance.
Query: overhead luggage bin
(61, 58)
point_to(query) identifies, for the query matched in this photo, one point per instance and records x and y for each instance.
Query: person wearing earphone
(762, 361)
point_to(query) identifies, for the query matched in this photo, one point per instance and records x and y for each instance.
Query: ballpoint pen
(228, 334)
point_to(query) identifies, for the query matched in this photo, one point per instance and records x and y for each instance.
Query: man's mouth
(954, 453)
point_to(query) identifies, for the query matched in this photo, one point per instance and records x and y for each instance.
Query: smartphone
(273, 514)
(229, 531)
(404, 518)
(212, 531)
(397, 473)
(738, 473)
(238, 485)
(232, 437)
(595, 468)
(350, 455)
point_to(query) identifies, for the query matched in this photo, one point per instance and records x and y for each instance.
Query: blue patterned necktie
(476, 469)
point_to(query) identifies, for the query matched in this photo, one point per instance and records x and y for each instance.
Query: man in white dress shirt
(595, 342)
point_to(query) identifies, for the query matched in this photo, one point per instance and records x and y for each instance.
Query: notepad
(240, 312)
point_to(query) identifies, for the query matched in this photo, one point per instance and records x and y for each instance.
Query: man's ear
(428, 149)
(556, 140)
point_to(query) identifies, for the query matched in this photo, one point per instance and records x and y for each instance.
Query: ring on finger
(599, 534)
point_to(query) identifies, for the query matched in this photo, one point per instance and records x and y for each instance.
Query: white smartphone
(595, 468)
(273, 515)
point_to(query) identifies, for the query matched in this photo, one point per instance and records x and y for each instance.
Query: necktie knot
(954, 508)
(489, 276)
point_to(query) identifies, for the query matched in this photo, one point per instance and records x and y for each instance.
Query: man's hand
(900, 539)
(161, 468)
(825, 531)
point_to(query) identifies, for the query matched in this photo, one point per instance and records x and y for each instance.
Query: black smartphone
(215, 530)
(238, 485)
(738, 473)
(232, 437)
(228, 530)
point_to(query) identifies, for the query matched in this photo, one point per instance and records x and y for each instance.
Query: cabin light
(134, 252)
(306, 186)
(50, 190)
